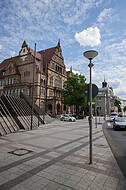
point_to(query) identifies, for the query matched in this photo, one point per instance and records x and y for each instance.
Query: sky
(81, 25)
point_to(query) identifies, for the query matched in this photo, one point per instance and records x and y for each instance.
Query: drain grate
(20, 152)
(101, 145)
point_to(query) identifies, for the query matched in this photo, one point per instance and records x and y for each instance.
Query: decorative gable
(24, 50)
(10, 70)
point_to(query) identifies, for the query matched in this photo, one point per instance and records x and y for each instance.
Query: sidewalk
(56, 156)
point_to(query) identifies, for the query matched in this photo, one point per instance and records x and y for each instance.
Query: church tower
(104, 84)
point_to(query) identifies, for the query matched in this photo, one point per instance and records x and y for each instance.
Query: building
(105, 100)
(123, 104)
(39, 75)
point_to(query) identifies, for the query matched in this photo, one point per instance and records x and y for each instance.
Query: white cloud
(115, 83)
(89, 37)
(76, 72)
(105, 14)
(12, 53)
(1, 47)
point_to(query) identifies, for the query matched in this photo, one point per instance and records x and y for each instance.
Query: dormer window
(21, 59)
(23, 50)
(3, 73)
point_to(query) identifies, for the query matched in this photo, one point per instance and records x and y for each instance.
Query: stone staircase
(7, 122)
(15, 114)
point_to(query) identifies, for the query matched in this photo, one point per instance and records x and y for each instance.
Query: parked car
(119, 123)
(113, 116)
(67, 117)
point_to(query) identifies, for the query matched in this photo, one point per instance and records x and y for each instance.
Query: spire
(59, 41)
(58, 45)
(71, 69)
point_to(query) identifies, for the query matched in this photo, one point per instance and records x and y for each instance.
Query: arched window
(58, 82)
(51, 81)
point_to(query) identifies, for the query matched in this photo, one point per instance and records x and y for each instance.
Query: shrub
(78, 116)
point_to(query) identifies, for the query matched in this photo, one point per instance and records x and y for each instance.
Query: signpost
(94, 90)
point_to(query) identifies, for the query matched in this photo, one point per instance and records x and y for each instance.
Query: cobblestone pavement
(56, 156)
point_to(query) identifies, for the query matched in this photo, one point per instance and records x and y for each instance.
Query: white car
(119, 123)
(113, 116)
(67, 117)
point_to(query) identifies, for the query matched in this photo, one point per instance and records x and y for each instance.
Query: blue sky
(80, 25)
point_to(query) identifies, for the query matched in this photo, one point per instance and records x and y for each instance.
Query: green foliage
(118, 104)
(78, 116)
(73, 93)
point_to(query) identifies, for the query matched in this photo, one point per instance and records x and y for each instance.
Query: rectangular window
(8, 92)
(2, 82)
(28, 92)
(5, 91)
(27, 74)
(9, 80)
(22, 90)
(3, 73)
(11, 91)
(15, 91)
(50, 93)
(6, 81)
(19, 92)
(12, 80)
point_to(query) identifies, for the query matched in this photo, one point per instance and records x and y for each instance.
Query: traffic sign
(94, 90)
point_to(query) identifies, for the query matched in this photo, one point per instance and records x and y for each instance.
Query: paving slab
(56, 156)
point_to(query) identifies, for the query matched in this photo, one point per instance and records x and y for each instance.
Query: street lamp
(90, 55)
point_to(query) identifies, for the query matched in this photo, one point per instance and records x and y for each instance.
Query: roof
(47, 55)
(6, 63)
(38, 55)
(103, 89)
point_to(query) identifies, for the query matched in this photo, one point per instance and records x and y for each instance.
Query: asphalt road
(117, 143)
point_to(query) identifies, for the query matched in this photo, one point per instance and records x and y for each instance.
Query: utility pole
(40, 86)
(34, 63)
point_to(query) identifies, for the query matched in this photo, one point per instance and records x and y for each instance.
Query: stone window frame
(58, 82)
(51, 81)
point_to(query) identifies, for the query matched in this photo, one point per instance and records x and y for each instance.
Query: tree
(118, 104)
(73, 93)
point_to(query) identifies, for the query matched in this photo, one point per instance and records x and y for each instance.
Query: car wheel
(114, 127)
(70, 119)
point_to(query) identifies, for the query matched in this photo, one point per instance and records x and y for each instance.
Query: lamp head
(90, 54)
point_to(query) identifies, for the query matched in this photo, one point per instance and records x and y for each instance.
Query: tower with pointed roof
(105, 100)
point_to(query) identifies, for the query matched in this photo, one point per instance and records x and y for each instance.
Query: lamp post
(90, 55)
